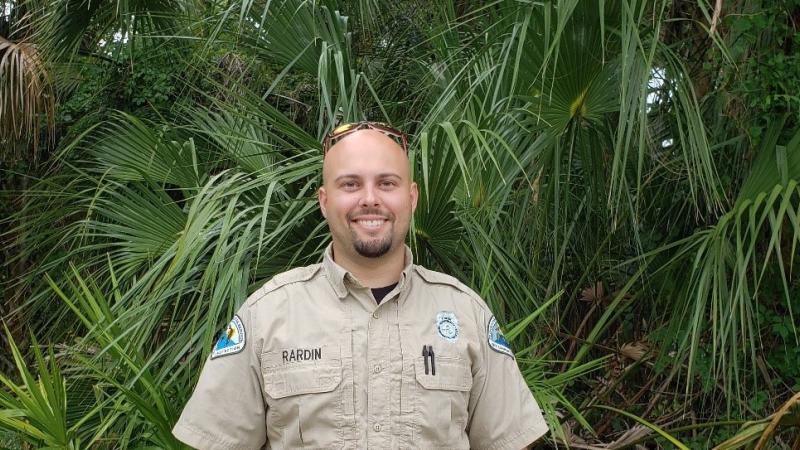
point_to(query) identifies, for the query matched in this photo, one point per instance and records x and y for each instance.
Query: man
(366, 349)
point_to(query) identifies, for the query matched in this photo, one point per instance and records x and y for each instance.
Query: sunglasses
(348, 128)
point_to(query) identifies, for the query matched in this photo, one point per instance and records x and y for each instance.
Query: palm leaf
(27, 100)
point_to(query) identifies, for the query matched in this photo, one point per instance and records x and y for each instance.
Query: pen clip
(425, 357)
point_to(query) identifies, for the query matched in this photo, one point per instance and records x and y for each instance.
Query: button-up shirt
(312, 361)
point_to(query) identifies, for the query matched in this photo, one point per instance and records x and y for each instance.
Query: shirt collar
(340, 278)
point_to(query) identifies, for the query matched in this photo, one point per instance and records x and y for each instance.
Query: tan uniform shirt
(310, 361)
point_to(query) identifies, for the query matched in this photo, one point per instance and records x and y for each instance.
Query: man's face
(367, 195)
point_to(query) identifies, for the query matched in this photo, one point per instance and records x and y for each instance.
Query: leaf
(635, 350)
(27, 98)
(644, 422)
(593, 293)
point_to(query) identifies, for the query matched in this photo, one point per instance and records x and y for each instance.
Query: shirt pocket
(304, 403)
(443, 398)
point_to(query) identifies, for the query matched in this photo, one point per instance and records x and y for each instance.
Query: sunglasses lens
(347, 128)
(343, 128)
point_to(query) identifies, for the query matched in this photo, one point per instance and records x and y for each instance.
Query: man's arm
(226, 410)
(503, 413)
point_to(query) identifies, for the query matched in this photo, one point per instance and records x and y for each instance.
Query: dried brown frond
(634, 350)
(631, 436)
(27, 99)
(593, 293)
(788, 415)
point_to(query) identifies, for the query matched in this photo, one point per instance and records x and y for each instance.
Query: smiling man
(365, 350)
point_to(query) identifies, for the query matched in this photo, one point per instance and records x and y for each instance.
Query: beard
(372, 248)
(375, 247)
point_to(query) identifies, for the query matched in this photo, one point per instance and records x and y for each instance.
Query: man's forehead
(366, 138)
(365, 152)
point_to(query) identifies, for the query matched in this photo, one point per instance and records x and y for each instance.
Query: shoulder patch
(231, 340)
(497, 341)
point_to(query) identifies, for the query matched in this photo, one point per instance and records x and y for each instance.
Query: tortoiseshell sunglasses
(347, 128)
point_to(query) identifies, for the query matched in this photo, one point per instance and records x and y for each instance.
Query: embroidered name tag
(302, 354)
(231, 340)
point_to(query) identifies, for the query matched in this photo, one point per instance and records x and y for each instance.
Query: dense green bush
(618, 182)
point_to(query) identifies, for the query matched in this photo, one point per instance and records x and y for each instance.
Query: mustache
(370, 212)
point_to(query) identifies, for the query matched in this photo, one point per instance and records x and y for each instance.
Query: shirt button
(375, 315)
(377, 368)
(377, 427)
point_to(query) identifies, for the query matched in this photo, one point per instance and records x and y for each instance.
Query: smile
(370, 223)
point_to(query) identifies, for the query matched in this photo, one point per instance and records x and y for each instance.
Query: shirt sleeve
(226, 410)
(503, 413)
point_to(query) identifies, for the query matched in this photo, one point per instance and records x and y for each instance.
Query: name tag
(302, 354)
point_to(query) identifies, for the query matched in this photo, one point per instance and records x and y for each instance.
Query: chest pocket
(304, 400)
(443, 397)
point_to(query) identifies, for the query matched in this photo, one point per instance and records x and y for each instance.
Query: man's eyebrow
(345, 176)
(352, 176)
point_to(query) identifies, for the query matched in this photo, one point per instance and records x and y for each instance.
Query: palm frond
(27, 99)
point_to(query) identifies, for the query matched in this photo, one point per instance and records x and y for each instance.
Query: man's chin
(372, 248)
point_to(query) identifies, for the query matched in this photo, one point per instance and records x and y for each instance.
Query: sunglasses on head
(348, 128)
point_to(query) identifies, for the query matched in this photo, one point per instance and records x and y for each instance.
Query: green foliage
(37, 408)
(767, 41)
(781, 352)
(617, 183)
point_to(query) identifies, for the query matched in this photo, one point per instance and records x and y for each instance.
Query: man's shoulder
(284, 280)
(433, 277)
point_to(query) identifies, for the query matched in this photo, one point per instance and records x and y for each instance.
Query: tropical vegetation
(619, 179)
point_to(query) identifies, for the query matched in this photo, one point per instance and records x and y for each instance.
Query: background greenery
(617, 178)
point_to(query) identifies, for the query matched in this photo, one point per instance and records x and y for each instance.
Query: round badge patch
(447, 325)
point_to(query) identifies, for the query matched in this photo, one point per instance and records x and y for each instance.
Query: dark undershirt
(381, 292)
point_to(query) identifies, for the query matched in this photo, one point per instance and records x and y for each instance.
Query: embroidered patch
(497, 341)
(447, 324)
(231, 340)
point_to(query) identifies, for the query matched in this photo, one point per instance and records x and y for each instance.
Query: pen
(433, 361)
(425, 357)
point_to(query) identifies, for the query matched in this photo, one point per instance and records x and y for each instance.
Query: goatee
(373, 248)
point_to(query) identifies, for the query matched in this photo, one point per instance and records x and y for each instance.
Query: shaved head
(362, 141)
(367, 195)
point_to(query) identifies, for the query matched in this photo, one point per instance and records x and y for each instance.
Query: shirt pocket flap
(452, 373)
(297, 380)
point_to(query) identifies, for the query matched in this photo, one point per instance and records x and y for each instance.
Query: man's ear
(414, 196)
(322, 197)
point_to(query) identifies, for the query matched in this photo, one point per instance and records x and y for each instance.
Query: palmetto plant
(26, 91)
(556, 145)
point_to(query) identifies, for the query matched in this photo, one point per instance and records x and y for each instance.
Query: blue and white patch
(231, 340)
(447, 325)
(497, 341)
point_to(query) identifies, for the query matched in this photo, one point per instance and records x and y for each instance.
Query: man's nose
(370, 197)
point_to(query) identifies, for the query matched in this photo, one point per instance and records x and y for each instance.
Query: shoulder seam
(296, 275)
(450, 280)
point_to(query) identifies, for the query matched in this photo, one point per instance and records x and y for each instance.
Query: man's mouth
(371, 222)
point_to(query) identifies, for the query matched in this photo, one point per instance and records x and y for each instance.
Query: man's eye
(349, 185)
(388, 184)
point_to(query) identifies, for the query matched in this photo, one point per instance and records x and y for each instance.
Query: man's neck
(373, 272)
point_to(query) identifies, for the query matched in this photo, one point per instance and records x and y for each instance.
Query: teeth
(370, 223)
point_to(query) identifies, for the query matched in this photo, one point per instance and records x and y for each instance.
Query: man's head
(367, 195)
